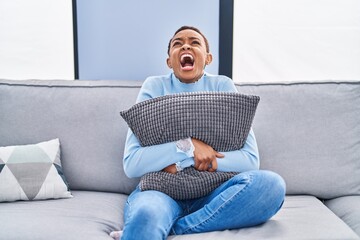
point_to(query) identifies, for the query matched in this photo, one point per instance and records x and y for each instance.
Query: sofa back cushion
(84, 115)
(309, 133)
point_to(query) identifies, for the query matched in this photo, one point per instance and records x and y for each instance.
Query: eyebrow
(181, 39)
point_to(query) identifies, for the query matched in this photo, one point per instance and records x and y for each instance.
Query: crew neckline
(175, 79)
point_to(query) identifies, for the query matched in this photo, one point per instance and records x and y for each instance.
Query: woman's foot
(116, 235)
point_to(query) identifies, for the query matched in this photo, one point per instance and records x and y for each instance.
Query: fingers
(213, 166)
(208, 166)
(219, 155)
(171, 169)
(201, 164)
(208, 163)
(205, 156)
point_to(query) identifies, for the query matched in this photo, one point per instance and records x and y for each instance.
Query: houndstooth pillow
(220, 119)
(187, 184)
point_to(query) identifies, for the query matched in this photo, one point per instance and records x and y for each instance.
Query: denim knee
(276, 183)
(273, 188)
(267, 189)
(155, 212)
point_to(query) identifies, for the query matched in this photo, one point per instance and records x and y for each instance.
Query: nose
(186, 47)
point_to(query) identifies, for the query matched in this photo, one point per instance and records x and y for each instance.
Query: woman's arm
(141, 160)
(245, 159)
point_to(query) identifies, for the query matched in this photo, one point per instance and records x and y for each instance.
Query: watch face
(178, 167)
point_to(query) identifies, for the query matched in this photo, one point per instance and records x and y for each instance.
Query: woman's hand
(171, 169)
(205, 156)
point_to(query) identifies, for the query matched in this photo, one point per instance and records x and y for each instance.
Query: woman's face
(188, 56)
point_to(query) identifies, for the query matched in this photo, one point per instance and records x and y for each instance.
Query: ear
(168, 62)
(208, 59)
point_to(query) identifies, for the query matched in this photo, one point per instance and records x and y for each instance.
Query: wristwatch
(178, 167)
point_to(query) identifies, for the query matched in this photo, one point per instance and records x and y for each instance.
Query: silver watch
(178, 167)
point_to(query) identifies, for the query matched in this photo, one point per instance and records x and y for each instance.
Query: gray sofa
(307, 132)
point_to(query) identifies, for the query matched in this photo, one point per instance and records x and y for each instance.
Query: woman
(247, 199)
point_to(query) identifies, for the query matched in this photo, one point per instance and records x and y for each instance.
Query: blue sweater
(141, 160)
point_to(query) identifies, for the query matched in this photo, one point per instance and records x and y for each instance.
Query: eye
(176, 44)
(196, 42)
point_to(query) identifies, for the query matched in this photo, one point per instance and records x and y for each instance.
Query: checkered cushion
(187, 184)
(220, 119)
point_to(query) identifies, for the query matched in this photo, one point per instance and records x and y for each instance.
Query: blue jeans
(246, 200)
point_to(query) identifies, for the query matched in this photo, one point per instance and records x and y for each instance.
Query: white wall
(36, 39)
(274, 40)
(288, 40)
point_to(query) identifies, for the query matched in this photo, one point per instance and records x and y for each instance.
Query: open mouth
(187, 61)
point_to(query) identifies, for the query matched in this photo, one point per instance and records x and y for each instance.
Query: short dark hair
(194, 29)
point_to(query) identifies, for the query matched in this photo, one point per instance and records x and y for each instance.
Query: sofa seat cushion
(301, 217)
(88, 215)
(93, 215)
(348, 209)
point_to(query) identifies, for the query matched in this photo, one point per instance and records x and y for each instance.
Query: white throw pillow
(32, 172)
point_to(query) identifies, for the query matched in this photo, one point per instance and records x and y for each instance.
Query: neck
(190, 80)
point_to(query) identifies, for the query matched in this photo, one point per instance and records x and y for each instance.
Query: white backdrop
(36, 39)
(288, 40)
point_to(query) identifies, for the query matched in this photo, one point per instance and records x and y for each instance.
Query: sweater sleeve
(141, 160)
(244, 159)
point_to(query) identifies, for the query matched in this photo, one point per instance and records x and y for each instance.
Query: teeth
(186, 55)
